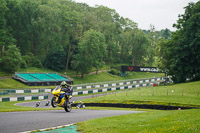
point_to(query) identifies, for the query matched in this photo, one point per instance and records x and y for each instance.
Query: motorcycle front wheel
(67, 106)
(53, 102)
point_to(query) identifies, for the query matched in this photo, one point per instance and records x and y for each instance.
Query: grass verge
(149, 121)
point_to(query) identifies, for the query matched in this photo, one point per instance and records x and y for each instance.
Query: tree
(5, 36)
(166, 34)
(139, 48)
(3, 30)
(108, 22)
(55, 58)
(181, 53)
(92, 51)
(12, 59)
(135, 45)
(100, 51)
(72, 29)
(39, 26)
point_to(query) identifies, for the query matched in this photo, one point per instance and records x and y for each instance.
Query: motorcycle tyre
(53, 102)
(67, 106)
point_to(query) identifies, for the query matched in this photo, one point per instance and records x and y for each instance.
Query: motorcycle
(61, 99)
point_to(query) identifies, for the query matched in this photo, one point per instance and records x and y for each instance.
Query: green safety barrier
(9, 99)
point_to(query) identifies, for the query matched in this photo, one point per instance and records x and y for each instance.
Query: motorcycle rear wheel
(67, 106)
(53, 102)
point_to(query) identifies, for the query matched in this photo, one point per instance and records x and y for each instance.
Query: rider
(67, 89)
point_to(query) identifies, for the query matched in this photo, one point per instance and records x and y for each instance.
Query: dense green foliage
(55, 58)
(11, 60)
(63, 34)
(50, 33)
(181, 54)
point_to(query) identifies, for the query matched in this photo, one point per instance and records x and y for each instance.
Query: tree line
(180, 55)
(63, 34)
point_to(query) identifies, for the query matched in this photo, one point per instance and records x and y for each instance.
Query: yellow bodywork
(56, 92)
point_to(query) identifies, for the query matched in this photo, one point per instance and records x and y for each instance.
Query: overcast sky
(160, 13)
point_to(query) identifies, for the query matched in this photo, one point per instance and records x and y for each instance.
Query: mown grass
(151, 121)
(186, 94)
(13, 84)
(186, 121)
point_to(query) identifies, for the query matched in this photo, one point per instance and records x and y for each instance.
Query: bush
(30, 61)
(23, 63)
(27, 59)
(12, 59)
(36, 63)
(114, 72)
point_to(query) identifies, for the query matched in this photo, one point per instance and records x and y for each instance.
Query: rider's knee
(70, 97)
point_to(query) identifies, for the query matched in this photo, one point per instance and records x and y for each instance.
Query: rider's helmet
(63, 83)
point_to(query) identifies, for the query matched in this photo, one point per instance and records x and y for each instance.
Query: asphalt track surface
(12, 122)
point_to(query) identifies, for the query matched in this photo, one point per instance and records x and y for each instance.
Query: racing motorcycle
(61, 99)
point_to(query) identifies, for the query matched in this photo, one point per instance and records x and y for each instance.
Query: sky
(160, 13)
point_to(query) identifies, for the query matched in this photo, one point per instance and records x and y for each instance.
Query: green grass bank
(178, 121)
(151, 121)
(185, 94)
